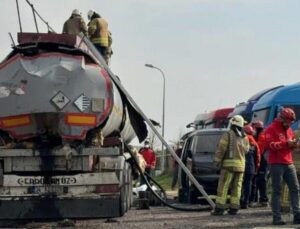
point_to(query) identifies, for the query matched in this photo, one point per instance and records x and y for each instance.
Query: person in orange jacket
(150, 158)
(252, 164)
(261, 178)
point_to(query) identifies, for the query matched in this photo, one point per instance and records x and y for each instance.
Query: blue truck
(266, 109)
(245, 108)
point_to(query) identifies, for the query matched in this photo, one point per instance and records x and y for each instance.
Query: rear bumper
(22, 208)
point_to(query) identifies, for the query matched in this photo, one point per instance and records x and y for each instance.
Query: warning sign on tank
(60, 100)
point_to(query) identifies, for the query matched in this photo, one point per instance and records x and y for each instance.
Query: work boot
(244, 206)
(217, 211)
(233, 211)
(296, 218)
(263, 204)
(278, 221)
(252, 205)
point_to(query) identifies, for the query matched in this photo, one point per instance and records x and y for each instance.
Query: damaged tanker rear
(64, 126)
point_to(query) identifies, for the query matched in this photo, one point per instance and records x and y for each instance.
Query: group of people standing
(246, 154)
(97, 30)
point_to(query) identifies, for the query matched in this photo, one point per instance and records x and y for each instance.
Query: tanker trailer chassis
(58, 184)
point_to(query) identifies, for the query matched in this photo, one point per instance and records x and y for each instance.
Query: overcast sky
(214, 53)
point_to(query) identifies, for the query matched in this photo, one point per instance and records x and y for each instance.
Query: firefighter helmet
(90, 14)
(249, 130)
(237, 120)
(258, 124)
(287, 114)
(75, 12)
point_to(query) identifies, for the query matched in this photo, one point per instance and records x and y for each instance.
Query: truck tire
(122, 201)
(192, 194)
(129, 188)
(124, 192)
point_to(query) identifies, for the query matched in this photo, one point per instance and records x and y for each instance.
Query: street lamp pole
(163, 110)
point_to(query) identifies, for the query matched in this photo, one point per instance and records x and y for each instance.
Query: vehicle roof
(202, 117)
(219, 113)
(246, 107)
(207, 131)
(259, 94)
(239, 109)
(282, 95)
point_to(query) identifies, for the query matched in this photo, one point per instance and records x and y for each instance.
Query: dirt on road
(163, 217)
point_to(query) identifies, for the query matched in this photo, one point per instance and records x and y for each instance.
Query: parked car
(198, 154)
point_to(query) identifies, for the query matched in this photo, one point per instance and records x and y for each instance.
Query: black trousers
(147, 170)
(247, 187)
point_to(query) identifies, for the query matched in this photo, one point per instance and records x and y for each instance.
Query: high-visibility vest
(231, 151)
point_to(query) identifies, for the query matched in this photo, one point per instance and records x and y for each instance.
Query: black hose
(155, 193)
(157, 184)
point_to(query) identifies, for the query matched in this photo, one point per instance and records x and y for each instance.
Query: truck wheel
(192, 194)
(122, 201)
(129, 189)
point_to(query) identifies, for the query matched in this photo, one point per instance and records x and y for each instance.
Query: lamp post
(163, 110)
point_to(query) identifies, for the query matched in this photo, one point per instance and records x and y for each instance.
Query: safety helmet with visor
(249, 130)
(75, 12)
(237, 120)
(287, 115)
(258, 124)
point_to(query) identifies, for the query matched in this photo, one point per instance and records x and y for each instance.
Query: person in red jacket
(280, 141)
(150, 158)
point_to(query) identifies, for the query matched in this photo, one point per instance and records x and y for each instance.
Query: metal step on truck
(57, 184)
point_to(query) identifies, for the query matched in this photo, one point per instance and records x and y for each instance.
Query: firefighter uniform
(230, 157)
(99, 34)
(75, 24)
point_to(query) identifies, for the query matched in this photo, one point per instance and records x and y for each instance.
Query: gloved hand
(217, 164)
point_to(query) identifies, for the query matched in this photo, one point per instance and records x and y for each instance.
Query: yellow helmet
(237, 120)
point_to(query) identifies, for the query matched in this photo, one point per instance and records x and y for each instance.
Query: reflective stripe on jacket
(98, 31)
(231, 151)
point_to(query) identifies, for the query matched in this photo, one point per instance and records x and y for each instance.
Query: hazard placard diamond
(82, 102)
(60, 100)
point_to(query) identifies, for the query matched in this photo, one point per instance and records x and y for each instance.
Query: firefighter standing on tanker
(99, 34)
(230, 157)
(75, 24)
(280, 141)
(150, 158)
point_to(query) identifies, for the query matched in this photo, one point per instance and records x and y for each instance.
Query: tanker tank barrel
(99, 59)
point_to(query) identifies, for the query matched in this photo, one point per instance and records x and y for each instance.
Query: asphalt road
(163, 217)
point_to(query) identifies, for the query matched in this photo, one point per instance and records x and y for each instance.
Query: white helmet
(76, 12)
(90, 14)
(237, 120)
